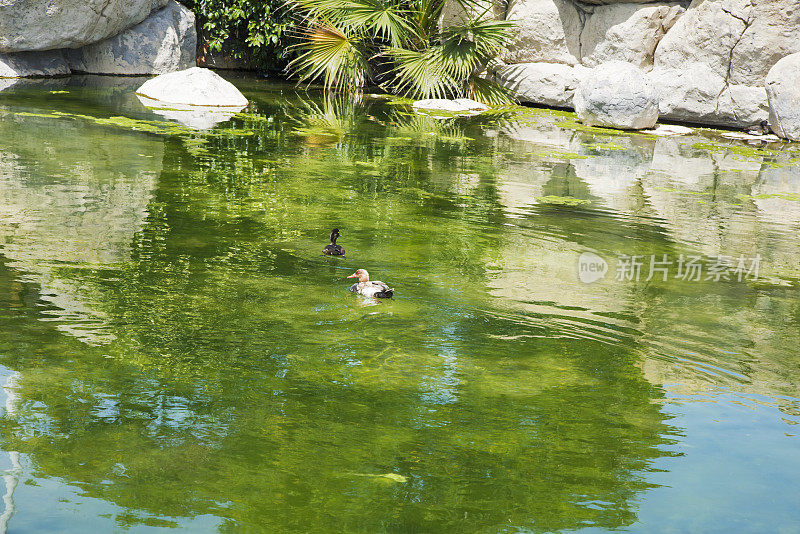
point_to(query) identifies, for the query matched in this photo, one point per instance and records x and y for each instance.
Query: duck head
(334, 235)
(361, 274)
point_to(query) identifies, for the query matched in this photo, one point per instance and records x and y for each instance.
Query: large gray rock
(626, 32)
(697, 94)
(708, 60)
(705, 35)
(590, 3)
(771, 34)
(545, 31)
(27, 25)
(458, 13)
(166, 41)
(616, 95)
(193, 87)
(783, 92)
(548, 84)
(29, 64)
(710, 66)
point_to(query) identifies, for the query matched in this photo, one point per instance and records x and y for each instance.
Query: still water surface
(176, 352)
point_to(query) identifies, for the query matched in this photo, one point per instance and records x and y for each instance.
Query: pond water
(175, 352)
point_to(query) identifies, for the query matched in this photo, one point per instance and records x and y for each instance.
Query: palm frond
(459, 57)
(428, 129)
(426, 15)
(330, 53)
(326, 10)
(348, 39)
(468, 47)
(326, 125)
(421, 74)
(386, 19)
(488, 91)
(481, 9)
(486, 37)
(382, 18)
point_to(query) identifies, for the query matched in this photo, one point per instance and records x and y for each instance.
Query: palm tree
(401, 46)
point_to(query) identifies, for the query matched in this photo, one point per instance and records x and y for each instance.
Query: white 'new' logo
(591, 267)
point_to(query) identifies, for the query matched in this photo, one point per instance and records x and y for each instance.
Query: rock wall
(706, 58)
(130, 37)
(164, 42)
(24, 64)
(28, 25)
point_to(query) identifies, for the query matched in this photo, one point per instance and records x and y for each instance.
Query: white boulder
(626, 32)
(166, 41)
(708, 59)
(548, 84)
(27, 64)
(710, 67)
(668, 130)
(616, 95)
(544, 31)
(194, 87)
(459, 105)
(771, 34)
(699, 95)
(615, 2)
(27, 25)
(461, 12)
(705, 35)
(783, 93)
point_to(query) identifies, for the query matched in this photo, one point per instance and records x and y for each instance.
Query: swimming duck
(368, 288)
(333, 249)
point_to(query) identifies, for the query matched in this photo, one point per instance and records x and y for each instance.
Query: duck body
(333, 249)
(762, 128)
(370, 288)
(375, 289)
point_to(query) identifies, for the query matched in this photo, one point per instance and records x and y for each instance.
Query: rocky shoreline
(707, 61)
(136, 37)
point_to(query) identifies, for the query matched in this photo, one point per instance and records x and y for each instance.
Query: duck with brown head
(370, 288)
(333, 249)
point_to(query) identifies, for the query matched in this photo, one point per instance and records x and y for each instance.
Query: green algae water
(590, 332)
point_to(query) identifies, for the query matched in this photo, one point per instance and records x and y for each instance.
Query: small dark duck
(333, 249)
(374, 288)
(762, 128)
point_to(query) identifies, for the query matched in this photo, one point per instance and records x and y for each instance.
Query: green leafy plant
(402, 46)
(258, 32)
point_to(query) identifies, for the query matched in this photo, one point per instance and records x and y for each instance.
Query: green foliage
(400, 45)
(338, 57)
(257, 31)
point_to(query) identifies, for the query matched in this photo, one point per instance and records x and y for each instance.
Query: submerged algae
(563, 201)
(244, 386)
